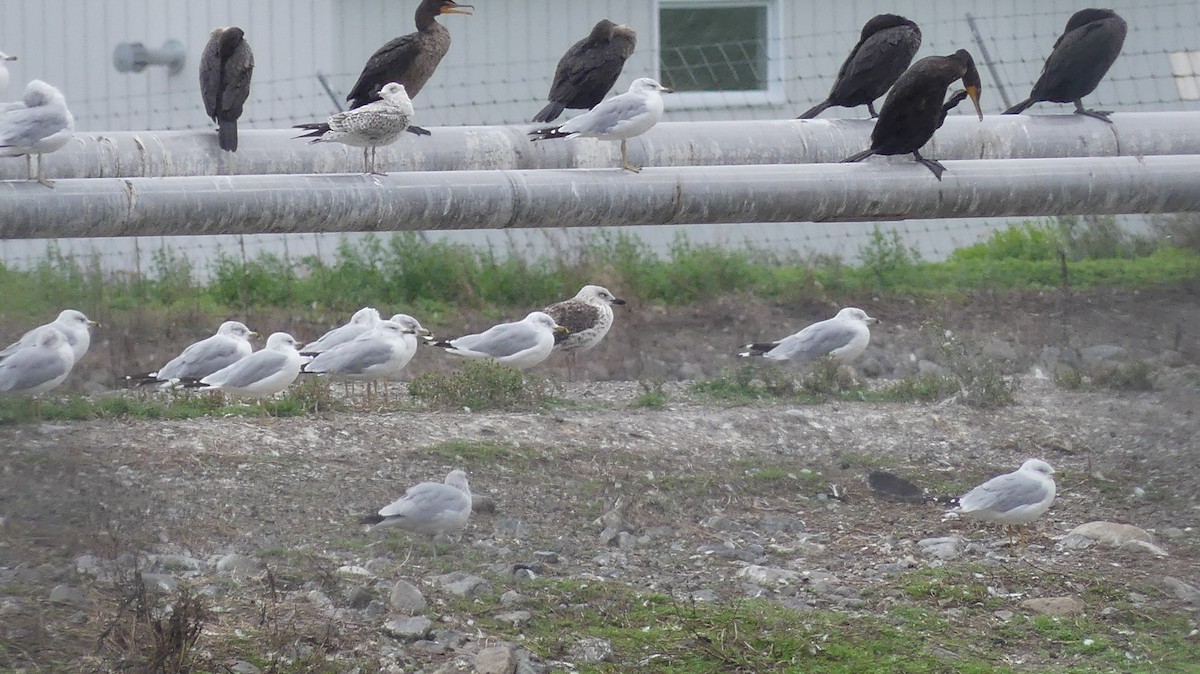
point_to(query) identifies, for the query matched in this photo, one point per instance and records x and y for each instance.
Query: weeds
(926, 387)
(749, 383)
(981, 380)
(479, 385)
(1135, 376)
(652, 396)
(151, 634)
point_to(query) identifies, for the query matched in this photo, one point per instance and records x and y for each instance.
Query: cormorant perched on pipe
(885, 48)
(915, 108)
(225, 68)
(589, 69)
(1081, 56)
(409, 59)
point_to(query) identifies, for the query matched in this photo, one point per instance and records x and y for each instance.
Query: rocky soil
(696, 500)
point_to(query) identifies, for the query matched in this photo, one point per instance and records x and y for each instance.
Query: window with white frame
(717, 45)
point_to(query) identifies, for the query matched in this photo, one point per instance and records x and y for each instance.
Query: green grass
(479, 385)
(654, 633)
(433, 278)
(117, 406)
(652, 396)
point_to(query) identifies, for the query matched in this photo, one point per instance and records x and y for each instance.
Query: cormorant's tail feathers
(1020, 107)
(816, 110)
(227, 135)
(549, 113)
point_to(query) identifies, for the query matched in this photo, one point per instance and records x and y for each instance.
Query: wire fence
(499, 69)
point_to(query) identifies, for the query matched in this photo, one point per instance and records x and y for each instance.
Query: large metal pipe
(878, 189)
(189, 153)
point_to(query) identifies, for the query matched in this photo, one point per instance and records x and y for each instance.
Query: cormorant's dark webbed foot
(1098, 114)
(931, 164)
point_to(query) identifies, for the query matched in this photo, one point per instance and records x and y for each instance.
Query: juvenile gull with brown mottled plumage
(588, 316)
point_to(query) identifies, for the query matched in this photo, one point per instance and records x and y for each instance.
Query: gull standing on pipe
(225, 68)
(4, 59)
(40, 126)
(369, 127)
(618, 118)
(409, 59)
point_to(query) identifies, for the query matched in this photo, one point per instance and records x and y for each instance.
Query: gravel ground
(695, 500)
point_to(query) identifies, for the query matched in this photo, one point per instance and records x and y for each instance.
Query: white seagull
(379, 354)
(41, 125)
(230, 344)
(40, 367)
(261, 374)
(844, 337)
(522, 344)
(362, 321)
(1015, 498)
(369, 127)
(4, 59)
(71, 323)
(429, 508)
(618, 118)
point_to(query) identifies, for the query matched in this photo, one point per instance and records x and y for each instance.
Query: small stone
(1101, 353)
(243, 667)
(944, 548)
(406, 599)
(721, 523)
(175, 562)
(359, 597)
(512, 598)
(765, 575)
(514, 618)
(89, 565)
(591, 651)
(482, 504)
(1055, 606)
(237, 565)
(777, 524)
(626, 541)
(1004, 615)
(1172, 532)
(1183, 591)
(1112, 534)
(496, 660)
(510, 526)
(705, 595)
(462, 584)
(65, 594)
(546, 556)
(163, 583)
(408, 629)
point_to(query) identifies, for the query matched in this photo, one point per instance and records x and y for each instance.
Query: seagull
(379, 354)
(225, 68)
(522, 344)
(369, 127)
(261, 374)
(71, 323)
(587, 318)
(429, 508)
(844, 337)
(40, 367)
(4, 59)
(230, 344)
(41, 125)
(1014, 498)
(618, 118)
(363, 320)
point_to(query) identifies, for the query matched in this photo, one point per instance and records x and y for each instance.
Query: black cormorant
(589, 69)
(225, 68)
(885, 48)
(1081, 56)
(916, 106)
(409, 59)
